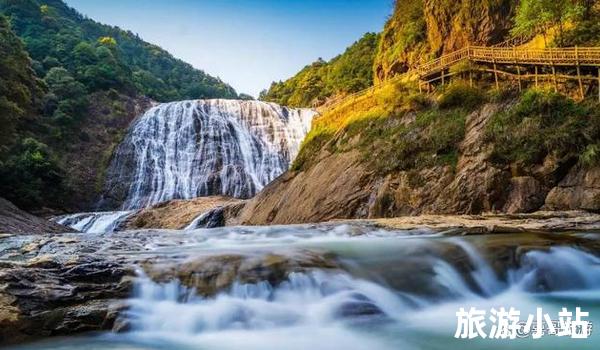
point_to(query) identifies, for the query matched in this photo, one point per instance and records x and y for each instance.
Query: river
(382, 290)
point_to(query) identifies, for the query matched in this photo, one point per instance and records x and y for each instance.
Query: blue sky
(248, 43)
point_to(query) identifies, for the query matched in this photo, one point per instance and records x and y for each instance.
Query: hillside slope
(15, 221)
(516, 154)
(462, 150)
(344, 74)
(75, 87)
(56, 35)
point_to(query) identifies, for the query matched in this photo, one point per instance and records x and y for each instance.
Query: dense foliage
(20, 90)
(54, 64)
(346, 73)
(541, 16)
(29, 173)
(403, 40)
(31, 176)
(543, 124)
(103, 57)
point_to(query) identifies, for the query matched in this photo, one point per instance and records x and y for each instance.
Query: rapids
(392, 290)
(95, 222)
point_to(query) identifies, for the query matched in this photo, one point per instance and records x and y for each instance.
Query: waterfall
(189, 149)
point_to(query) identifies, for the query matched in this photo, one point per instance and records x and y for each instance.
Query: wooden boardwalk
(520, 64)
(566, 57)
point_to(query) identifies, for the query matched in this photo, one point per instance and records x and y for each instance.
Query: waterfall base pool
(386, 290)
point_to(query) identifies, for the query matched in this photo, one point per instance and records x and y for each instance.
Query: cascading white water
(331, 309)
(391, 290)
(188, 149)
(98, 222)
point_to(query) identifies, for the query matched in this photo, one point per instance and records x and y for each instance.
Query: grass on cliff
(545, 123)
(394, 128)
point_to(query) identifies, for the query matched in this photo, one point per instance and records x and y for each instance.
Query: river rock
(209, 275)
(46, 297)
(579, 189)
(177, 214)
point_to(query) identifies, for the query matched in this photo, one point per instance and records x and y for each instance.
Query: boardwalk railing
(497, 55)
(572, 56)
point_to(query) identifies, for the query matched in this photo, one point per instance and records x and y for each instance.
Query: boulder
(580, 189)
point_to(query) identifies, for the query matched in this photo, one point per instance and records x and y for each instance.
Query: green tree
(539, 16)
(67, 95)
(31, 176)
(347, 73)
(20, 90)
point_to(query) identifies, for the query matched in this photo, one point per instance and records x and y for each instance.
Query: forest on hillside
(314, 84)
(57, 66)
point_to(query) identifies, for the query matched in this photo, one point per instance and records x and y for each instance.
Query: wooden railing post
(470, 77)
(579, 73)
(553, 71)
(536, 76)
(495, 72)
(518, 68)
(598, 84)
(443, 80)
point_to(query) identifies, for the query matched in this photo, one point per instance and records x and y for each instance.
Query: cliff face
(452, 25)
(345, 184)
(423, 29)
(88, 156)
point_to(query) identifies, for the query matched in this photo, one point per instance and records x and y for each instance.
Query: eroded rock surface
(16, 221)
(211, 274)
(342, 186)
(176, 214)
(580, 189)
(53, 285)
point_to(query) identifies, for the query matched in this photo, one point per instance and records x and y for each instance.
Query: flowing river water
(383, 290)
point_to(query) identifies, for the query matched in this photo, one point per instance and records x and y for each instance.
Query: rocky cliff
(88, 157)
(422, 29)
(437, 160)
(15, 221)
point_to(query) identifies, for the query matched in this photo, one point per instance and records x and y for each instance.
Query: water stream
(391, 290)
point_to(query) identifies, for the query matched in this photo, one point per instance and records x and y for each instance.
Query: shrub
(544, 123)
(461, 95)
(31, 177)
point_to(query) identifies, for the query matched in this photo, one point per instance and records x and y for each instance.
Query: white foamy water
(333, 309)
(392, 290)
(189, 149)
(96, 222)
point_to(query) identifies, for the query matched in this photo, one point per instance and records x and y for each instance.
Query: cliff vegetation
(313, 85)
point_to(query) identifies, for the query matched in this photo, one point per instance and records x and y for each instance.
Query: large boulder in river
(48, 295)
(211, 274)
(178, 213)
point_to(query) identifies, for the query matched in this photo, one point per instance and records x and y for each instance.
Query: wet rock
(60, 293)
(211, 274)
(359, 309)
(178, 214)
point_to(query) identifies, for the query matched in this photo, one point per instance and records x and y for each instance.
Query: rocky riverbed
(71, 283)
